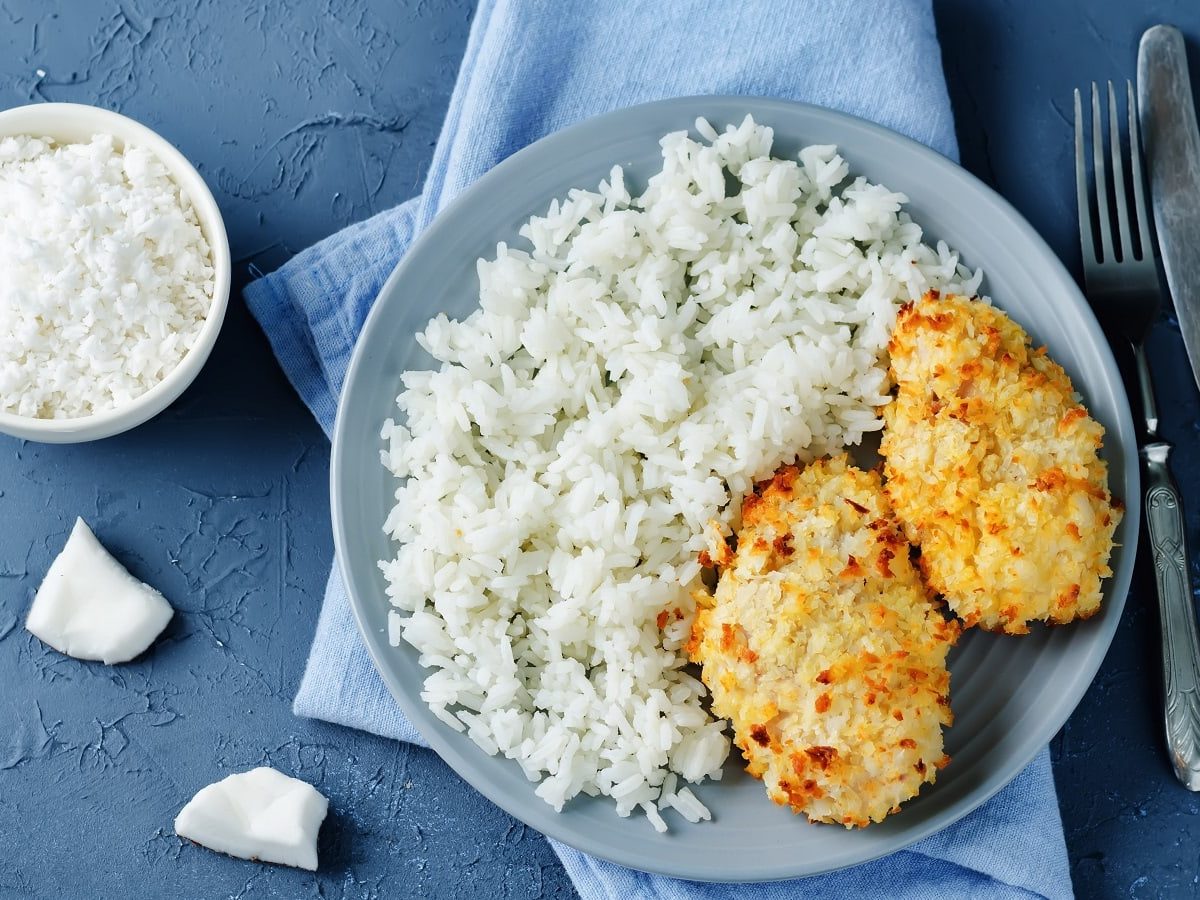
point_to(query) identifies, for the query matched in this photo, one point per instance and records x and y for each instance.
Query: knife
(1172, 151)
(1171, 145)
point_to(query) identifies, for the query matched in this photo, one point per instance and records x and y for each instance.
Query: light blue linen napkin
(532, 67)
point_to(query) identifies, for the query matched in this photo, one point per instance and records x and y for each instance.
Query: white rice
(631, 371)
(106, 276)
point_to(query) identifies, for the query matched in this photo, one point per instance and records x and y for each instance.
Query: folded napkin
(532, 67)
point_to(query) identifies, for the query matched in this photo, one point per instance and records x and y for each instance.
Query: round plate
(1009, 695)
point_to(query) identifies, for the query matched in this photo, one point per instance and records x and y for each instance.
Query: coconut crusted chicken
(992, 466)
(824, 649)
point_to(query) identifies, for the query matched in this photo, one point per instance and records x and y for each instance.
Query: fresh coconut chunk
(261, 814)
(90, 607)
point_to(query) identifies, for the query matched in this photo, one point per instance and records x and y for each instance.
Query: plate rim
(415, 710)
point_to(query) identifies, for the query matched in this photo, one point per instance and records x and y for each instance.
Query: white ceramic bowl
(73, 122)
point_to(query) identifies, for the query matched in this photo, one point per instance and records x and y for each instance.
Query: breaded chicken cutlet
(824, 649)
(992, 465)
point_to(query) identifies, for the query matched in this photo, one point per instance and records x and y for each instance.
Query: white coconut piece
(261, 814)
(90, 607)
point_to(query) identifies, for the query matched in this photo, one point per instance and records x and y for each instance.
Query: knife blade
(1171, 145)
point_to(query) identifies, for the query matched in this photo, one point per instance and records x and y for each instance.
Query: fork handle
(1177, 615)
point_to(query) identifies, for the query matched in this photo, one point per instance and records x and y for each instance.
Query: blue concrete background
(305, 116)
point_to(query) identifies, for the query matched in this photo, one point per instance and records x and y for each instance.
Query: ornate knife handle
(1181, 647)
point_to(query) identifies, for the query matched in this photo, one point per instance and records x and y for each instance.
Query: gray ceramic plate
(1010, 695)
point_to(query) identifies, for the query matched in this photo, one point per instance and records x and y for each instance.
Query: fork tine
(1106, 245)
(1139, 196)
(1124, 238)
(1087, 239)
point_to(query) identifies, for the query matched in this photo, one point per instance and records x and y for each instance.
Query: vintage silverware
(1122, 284)
(1172, 144)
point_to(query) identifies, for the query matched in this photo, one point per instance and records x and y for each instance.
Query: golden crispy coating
(991, 464)
(824, 649)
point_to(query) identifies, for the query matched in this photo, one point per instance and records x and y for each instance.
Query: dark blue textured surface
(305, 116)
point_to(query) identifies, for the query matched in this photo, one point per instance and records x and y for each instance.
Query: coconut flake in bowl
(115, 277)
(108, 277)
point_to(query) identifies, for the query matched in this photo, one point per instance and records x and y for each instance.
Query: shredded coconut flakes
(106, 277)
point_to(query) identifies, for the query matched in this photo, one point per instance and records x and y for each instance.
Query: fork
(1122, 284)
